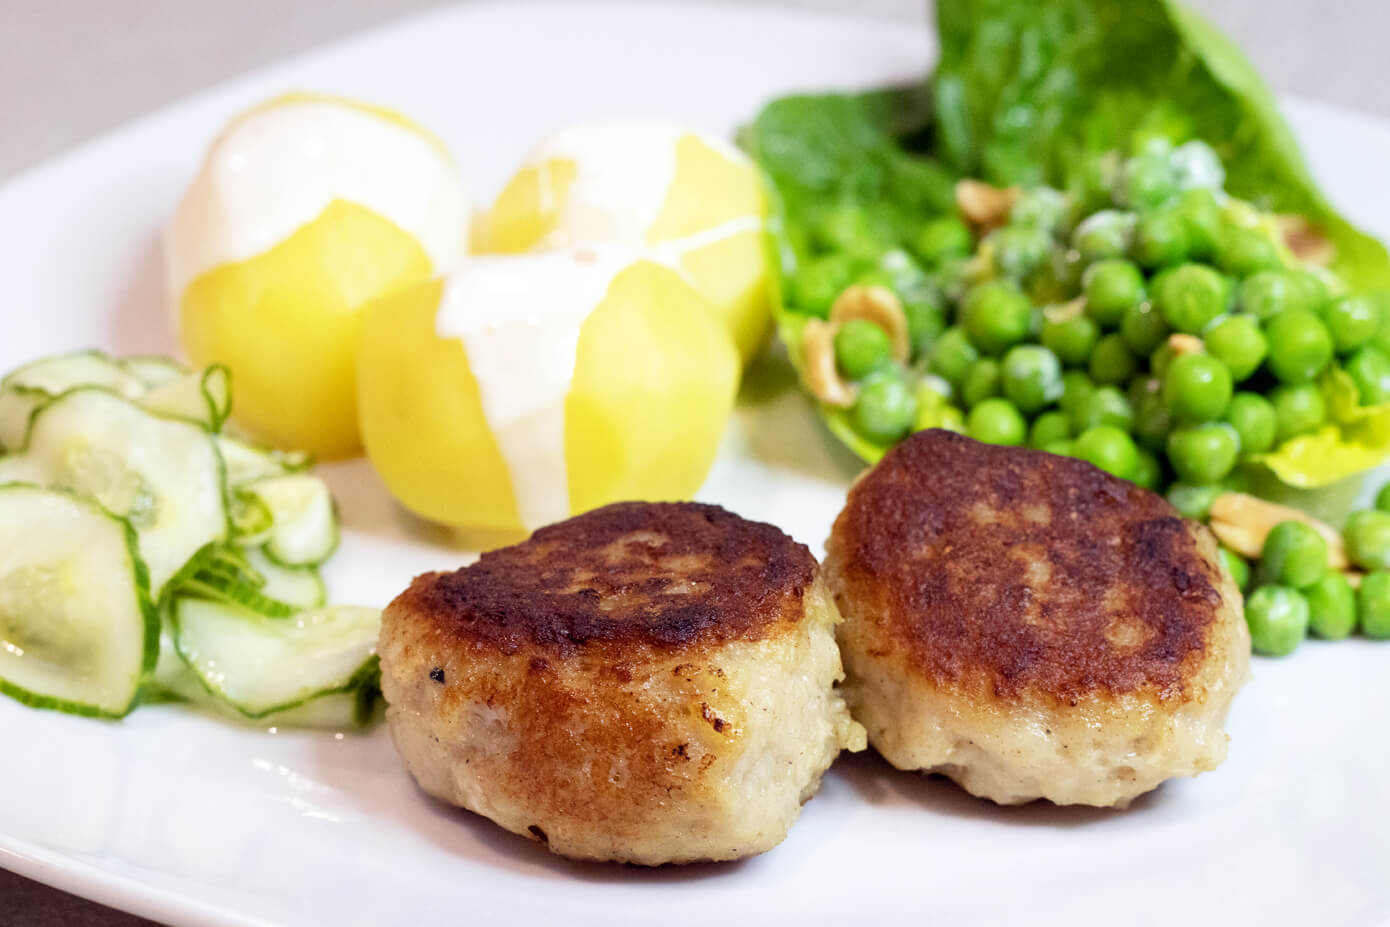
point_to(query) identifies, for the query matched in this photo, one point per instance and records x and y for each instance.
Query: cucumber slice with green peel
(251, 518)
(152, 370)
(215, 588)
(163, 475)
(16, 409)
(78, 629)
(247, 463)
(302, 587)
(305, 528)
(61, 372)
(175, 680)
(204, 398)
(264, 665)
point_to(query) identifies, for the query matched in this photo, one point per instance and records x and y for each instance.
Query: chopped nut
(1065, 312)
(1185, 344)
(1306, 241)
(1242, 522)
(822, 376)
(983, 206)
(875, 304)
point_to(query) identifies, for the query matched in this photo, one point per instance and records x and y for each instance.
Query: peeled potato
(522, 389)
(694, 202)
(305, 209)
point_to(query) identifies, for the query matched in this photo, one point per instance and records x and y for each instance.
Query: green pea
(1254, 419)
(1197, 166)
(1201, 218)
(1238, 343)
(846, 229)
(1331, 606)
(1076, 391)
(1383, 498)
(1193, 502)
(1104, 234)
(1108, 448)
(1147, 180)
(818, 282)
(1032, 377)
(1242, 251)
(981, 383)
(941, 238)
(1278, 620)
(952, 356)
(885, 408)
(1373, 604)
(1297, 410)
(1190, 296)
(925, 323)
(1197, 388)
(1143, 329)
(996, 421)
(1048, 428)
(1062, 447)
(1018, 250)
(1352, 321)
(1367, 536)
(1293, 555)
(1105, 405)
(1270, 292)
(1369, 369)
(1202, 454)
(1236, 567)
(1160, 239)
(862, 347)
(996, 315)
(1160, 359)
(1111, 361)
(1070, 339)
(1299, 346)
(1152, 420)
(1147, 471)
(1043, 208)
(1111, 286)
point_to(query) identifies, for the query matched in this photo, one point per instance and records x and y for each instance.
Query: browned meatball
(1031, 626)
(647, 682)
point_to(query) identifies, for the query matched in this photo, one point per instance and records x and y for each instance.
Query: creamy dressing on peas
(275, 170)
(519, 318)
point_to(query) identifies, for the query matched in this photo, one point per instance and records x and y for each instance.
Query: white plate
(188, 820)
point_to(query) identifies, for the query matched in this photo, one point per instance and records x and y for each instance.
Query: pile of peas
(1057, 330)
(1292, 591)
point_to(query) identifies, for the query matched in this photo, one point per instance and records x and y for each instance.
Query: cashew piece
(1305, 240)
(983, 206)
(1242, 522)
(875, 304)
(818, 357)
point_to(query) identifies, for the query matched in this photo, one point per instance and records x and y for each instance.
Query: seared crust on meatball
(1032, 626)
(647, 683)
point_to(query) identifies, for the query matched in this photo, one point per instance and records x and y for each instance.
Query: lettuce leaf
(1030, 92)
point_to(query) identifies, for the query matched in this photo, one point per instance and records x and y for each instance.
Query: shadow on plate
(139, 319)
(876, 782)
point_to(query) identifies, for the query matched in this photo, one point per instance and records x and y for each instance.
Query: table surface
(121, 60)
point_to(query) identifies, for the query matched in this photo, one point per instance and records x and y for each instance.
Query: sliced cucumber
(263, 665)
(60, 373)
(305, 528)
(247, 463)
(153, 371)
(164, 476)
(16, 409)
(174, 680)
(204, 398)
(78, 629)
(301, 587)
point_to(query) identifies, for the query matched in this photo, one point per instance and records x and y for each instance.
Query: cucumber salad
(149, 554)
